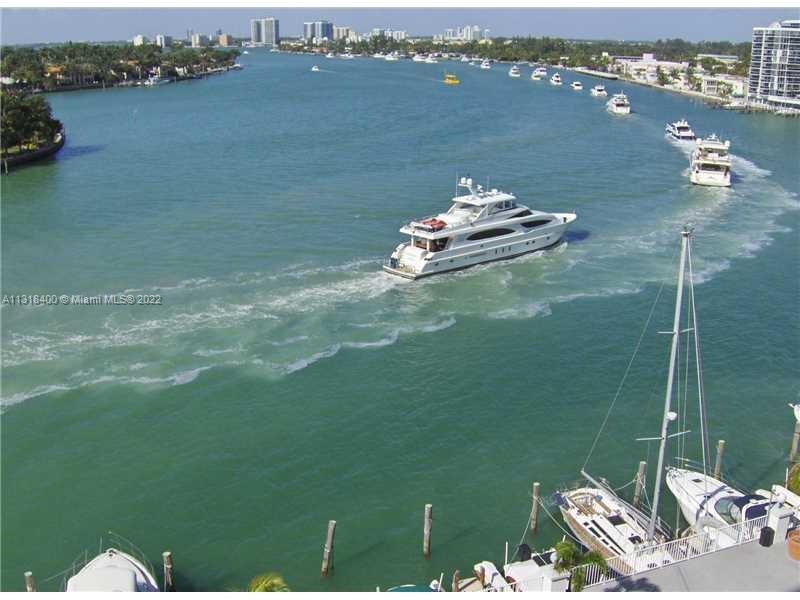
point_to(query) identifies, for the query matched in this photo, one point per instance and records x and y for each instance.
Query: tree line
(81, 64)
(26, 122)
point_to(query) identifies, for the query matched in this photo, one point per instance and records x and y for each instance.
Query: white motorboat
(577, 86)
(394, 56)
(680, 131)
(379, 55)
(418, 58)
(599, 91)
(315, 69)
(347, 56)
(113, 571)
(486, 64)
(156, 81)
(619, 105)
(464, 58)
(555, 79)
(513, 71)
(480, 226)
(245, 52)
(538, 73)
(330, 55)
(431, 60)
(710, 163)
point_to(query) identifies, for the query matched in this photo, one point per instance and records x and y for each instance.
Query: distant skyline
(26, 26)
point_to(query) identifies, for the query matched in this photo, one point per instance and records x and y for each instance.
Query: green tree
(661, 76)
(570, 558)
(268, 582)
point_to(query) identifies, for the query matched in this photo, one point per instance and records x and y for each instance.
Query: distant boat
(486, 65)
(555, 79)
(392, 57)
(347, 56)
(464, 58)
(330, 55)
(418, 58)
(431, 59)
(513, 71)
(245, 52)
(619, 105)
(315, 69)
(577, 86)
(451, 79)
(598, 91)
(538, 73)
(680, 131)
(155, 81)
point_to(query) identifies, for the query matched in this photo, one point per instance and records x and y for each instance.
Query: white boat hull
(710, 178)
(413, 263)
(619, 110)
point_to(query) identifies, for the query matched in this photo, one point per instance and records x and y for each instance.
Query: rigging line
(557, 523)
(624, 376)
(698, 362)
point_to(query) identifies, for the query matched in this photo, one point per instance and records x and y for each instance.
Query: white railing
(675, 551)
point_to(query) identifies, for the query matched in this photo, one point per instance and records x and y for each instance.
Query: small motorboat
(598, 91)
(577, 86)
(315, 69)
(451, 79)
(486, 65)
(513, 71)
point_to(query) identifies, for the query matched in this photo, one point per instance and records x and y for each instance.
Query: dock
(601, 74)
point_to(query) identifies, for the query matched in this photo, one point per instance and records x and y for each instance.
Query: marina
(269, 333)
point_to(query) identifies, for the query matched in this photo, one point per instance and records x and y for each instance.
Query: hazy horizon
(47, 25)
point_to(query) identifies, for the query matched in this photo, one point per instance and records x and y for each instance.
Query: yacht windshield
(463, 209)
(726, 509)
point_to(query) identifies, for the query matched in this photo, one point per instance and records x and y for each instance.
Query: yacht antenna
(669, 415)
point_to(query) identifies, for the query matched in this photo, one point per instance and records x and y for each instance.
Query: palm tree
(268, 582)
(569, 556)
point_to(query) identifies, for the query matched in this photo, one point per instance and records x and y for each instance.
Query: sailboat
(707, 502)
(601, 519)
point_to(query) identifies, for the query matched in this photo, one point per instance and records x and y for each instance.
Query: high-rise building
(255, 31)
(774, 80)
(139, 40)
(163, 41)
(199, 40)
(225, 40)
(270, 32)
(308, 30)
(323, 30)
(341, 33)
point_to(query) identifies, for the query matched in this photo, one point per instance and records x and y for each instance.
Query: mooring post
(535, 508)
(426, 531)
(637, 492)
(795, 443)
(718, 462)
(456, 581)
(327, 553)
(30, 582)
(169, 582)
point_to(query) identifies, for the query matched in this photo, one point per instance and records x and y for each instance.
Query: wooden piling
(169, 582)
(718, 462)
(327, 553)
(640, 474)
(535, 508)
(795, 443)
(426, 531)
(30, 582)
(456, 581)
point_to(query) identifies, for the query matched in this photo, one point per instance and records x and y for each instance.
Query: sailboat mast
(668, 416)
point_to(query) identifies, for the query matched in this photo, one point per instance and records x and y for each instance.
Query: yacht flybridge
(710, 163)
(680, 131)
(481, 226)
(619, 105)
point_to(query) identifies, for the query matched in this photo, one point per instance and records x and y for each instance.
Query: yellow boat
(451, 79)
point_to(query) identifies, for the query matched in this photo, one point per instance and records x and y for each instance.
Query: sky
(23, 26)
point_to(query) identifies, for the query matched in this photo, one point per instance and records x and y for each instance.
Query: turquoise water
(285, 380)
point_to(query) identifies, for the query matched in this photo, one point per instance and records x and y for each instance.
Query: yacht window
(489, 233)
(537, 223)
(524, 213)
(728, 510)
(755, 511)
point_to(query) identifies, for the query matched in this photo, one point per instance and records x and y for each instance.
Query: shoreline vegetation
(76, 66)
(28, 130)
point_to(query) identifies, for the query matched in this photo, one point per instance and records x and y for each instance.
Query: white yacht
(394, 56)
(347, 56)
(315, 69)
(245, 52)
(154, 81)
(486, 64)
(481, 226)
(577, 86)
(464, 58)
(538, 73)
(418, 58)
(513, 71)
(555, 79)
(379, 55)
(330, 55)
(680, 131)
(431, 60)
(114, 571)
(619, 105)
(710, 163)
(599, 91)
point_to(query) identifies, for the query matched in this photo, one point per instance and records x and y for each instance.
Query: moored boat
(513, 71)
(555, 79)
(486, 65)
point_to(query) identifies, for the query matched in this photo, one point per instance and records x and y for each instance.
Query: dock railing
(675, 551)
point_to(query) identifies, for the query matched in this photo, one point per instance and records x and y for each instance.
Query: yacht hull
(710, 179)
